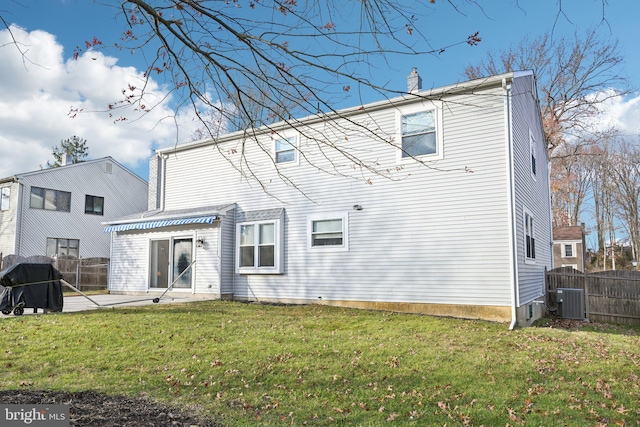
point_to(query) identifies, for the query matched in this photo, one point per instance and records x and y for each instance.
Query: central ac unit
(571, 303)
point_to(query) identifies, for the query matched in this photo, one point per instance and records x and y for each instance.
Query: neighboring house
(59, 211)
(461, 229)
(569, 247)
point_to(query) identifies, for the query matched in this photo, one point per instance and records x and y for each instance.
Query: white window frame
(533, 160)
(278, 230)
(343, 216)
(526, 215)
(564, 250)
(574, 266)
(436, 108)
(294, 140)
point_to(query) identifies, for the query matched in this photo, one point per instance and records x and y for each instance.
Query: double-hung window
(530, 240)
(51, 200)
(259, 247)
(568, 250)
(420, 133)
(286, 150)
(328, 232)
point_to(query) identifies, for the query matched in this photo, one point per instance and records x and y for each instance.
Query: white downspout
(512, 208)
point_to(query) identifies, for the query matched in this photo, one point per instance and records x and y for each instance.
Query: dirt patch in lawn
(88, 408)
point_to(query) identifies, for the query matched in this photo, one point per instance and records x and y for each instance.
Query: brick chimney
(414, 81)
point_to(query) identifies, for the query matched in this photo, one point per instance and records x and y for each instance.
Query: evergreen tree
(75, 147)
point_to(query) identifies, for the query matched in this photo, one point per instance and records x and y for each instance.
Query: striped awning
(145, 225)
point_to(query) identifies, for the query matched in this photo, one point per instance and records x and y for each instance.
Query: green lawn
(247, 364)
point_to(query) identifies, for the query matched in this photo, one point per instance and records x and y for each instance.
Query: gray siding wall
(124, 193)
(432, 234)
(532, 193)
(9, 220)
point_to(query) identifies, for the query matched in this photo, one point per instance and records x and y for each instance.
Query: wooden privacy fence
(86, 274)
(610, 296)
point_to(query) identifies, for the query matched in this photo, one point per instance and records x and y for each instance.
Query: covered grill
(30, 286)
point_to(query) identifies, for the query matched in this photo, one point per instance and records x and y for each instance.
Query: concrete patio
(78, 302)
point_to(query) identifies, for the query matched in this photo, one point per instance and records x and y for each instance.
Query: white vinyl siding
(130, 260)
(397, 241)
(530, 194)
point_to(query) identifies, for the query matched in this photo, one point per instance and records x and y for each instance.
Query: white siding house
(59, 211)
(459, 228)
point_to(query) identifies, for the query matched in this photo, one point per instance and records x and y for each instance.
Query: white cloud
(40, 87)
(621, 113)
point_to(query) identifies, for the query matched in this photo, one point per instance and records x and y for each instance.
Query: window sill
(328, 248)
(246, 271)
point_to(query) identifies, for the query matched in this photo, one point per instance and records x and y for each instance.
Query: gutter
(423, 96)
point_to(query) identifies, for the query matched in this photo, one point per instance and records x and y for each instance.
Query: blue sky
(36, 97)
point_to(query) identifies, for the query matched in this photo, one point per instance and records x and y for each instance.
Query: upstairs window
(530, 241)
(419, 134)
(5, 198)
(532, 150)
(568, 250)
(93, 205)
(51, 200)
(285, 149)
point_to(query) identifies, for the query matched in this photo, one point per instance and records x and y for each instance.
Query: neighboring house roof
(17, 176)
(568, 233)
